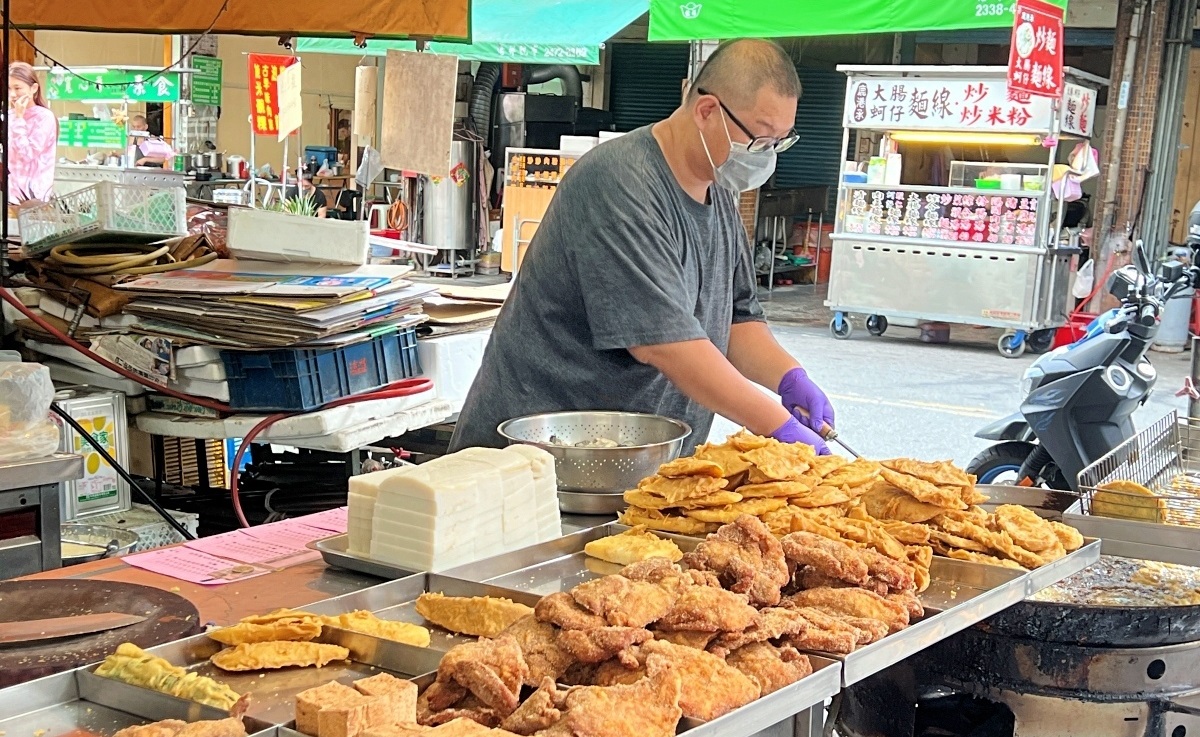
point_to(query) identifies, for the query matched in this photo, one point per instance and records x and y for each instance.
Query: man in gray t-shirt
(638, 291)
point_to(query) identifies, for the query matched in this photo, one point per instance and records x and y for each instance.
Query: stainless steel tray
(961, 593)
(1144, 540)
(78, 701)
(335, 551)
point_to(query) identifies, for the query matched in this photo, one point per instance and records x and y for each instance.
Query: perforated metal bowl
(647, 441)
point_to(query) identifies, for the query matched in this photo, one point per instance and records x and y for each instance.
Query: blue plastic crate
(296, 379)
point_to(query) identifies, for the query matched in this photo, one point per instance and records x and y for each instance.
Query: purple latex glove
(793, 432)
(798, 391)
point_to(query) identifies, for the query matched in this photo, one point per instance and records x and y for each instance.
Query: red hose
(405, 388)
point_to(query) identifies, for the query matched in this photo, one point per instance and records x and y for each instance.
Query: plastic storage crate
(107, 212)
(298, 379)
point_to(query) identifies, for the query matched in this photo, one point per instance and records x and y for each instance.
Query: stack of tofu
(456, 509)
(334, 710)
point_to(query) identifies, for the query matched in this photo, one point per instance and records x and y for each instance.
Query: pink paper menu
(242, 547)
(337, 521)
(292, 533)
(193, 566)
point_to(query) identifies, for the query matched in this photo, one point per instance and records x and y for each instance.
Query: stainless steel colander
(648, 442)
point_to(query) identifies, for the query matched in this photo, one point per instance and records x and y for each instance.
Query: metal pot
(198, 161)
(101, 541)
(215, 160)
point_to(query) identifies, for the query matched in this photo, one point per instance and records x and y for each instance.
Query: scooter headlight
(1029, 378)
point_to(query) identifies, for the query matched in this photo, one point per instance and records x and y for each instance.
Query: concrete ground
(897, 396)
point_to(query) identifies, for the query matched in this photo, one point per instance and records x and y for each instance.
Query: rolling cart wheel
(877, 325)
(1041, 341)
(1009, 347)
(841, 327)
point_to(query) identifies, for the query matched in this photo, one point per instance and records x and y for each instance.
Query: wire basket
(1164, 460)
(106, 211)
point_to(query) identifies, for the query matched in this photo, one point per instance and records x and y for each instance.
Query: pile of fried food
(284, 639)
(231, 727)
(659, 641)
(367, 706)
(136, 667)
(904, 509)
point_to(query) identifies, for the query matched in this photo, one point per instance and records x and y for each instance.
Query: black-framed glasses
(758, 144)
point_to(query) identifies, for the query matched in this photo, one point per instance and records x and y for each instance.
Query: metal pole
(1193, 400)
(4, 152)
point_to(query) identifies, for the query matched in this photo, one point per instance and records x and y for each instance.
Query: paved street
(896, 396)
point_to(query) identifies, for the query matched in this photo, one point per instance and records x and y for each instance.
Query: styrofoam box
(452, 361)
(273, 236)
(578, 144)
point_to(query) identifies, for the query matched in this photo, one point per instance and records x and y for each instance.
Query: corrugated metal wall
(816, 159)
(646, 82)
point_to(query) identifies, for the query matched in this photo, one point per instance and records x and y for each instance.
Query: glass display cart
(982, 247)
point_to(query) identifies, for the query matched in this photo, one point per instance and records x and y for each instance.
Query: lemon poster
(101, 489)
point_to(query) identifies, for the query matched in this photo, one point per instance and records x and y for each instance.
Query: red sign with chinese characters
(264, 91)
(1035, 61)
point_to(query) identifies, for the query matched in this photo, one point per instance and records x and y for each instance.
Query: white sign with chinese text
(291, 112)
(1078, 110)
(920, 103)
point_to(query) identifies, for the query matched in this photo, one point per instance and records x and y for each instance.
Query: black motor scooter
(1079, 399)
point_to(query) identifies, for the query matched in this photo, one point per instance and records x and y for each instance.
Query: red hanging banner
(1035, 61)
(264, 91)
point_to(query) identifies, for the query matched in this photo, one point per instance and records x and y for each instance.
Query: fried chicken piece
(686, 638)
(1025, 527)
(579, 674)
(710, 687)
(275, 655)
(771, 624)
(164, 728)
(747, 558)
(603, 643)
(709, 609)
(632, 546)
(542, 710)
(540, 648)
(854, 603)
(478, 616)
(560, 609)
(246, 633)
(492, 670)
(684, 467)
(810, 578)
(898, 576)
(869, 630)
(1068, 536)
(924, 491)
(828, 634)
(909, 601)
(468, 710)
(648, 708)
(616, 673)
(622, 602)
(829, 557)
(662, 572)
(438, 697)
(769, 667)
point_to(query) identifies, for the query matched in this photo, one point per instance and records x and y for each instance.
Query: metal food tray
(78, 702)
(1144, 540)
(336, 552)
(960, 594)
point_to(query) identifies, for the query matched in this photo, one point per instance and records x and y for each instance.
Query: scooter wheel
(1040, 341)
(877, 325)
(841, 331)
(1009, 347)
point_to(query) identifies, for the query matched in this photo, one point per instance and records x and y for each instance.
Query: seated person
(151, 150)
(305, 189)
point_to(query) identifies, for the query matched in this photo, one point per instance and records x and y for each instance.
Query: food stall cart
(975, 242)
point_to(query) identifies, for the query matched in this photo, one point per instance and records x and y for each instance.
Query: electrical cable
(121, 471)
(405, 388)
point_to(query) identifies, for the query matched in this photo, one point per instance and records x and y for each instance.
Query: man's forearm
(756, 354)
(701, 372)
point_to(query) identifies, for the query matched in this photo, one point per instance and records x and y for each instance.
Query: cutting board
(418, 112)
(168, 617)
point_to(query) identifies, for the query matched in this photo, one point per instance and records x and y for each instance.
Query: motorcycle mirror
(1143, 262)
(1171, 271)
(1125, 283)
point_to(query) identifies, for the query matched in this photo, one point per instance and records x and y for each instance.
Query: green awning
(692, 20)
(521, 31)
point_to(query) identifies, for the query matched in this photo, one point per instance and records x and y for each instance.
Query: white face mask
(744, 170)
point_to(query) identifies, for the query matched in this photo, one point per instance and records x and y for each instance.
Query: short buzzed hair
(738, 69)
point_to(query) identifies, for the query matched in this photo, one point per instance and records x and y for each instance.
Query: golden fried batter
(1128, 500)
(725, 456)
(773, 490)
(851, 602)
(780, 462)
(906, 532)
(922, 490)
(716, 499)
(367, 623)
(1068, 536)
(885, 502)
(730, 513)
(633, 546)
(246, 633)
(821, 496)
(274, 655)
(869, 533)
(745, 441)
(1026, 528)
(684, 467)
(991, 560)
(859, 473)
(477, 616)
(938, 473)
(679, 489)
(655, 520)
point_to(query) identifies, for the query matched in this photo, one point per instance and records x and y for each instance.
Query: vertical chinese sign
(1035, 61)
(264, 91)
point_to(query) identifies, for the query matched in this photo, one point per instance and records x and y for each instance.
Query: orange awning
(432, 19)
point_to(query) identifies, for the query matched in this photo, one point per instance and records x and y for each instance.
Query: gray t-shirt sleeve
(746, 307)
(629, 268)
